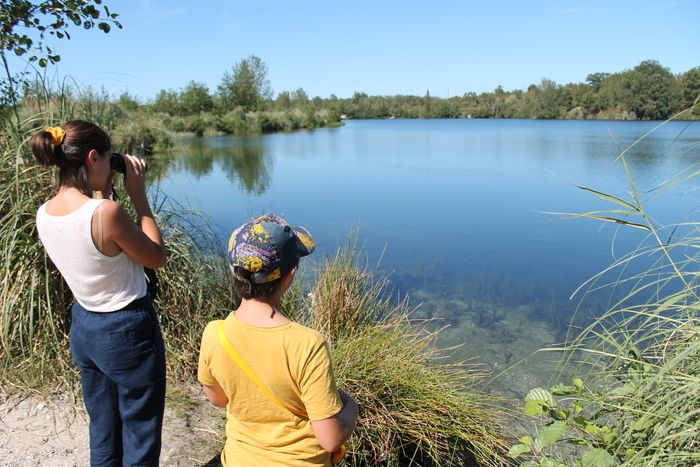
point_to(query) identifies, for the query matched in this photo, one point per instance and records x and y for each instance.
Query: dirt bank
(52, 430)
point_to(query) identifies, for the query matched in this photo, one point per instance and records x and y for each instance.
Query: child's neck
(261, 313)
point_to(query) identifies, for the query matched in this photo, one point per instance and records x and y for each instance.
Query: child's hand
(338, 454)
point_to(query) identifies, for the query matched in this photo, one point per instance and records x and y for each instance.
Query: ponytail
(67, 147)
(44, 150)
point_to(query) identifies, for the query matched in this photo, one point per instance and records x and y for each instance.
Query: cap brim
(305, 242)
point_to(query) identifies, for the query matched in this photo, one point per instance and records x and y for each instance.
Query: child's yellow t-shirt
(293, 362)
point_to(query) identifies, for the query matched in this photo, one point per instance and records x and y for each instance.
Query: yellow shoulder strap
(244, 366)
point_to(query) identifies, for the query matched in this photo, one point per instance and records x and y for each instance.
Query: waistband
(141, 303)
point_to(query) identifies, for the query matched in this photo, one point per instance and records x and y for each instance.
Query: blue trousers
(121, 359)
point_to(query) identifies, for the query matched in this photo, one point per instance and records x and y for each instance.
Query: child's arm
(216, 395)
(333, 432)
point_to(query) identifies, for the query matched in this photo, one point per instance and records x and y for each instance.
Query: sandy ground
(52, 431)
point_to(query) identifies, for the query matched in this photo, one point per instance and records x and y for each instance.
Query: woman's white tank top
(98, 282)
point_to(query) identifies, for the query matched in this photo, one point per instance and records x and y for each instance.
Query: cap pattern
(268, 247)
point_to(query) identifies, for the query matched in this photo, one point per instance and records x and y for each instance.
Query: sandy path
(40, 431)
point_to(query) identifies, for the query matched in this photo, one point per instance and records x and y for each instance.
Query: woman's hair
(246, 288)
(69, 155)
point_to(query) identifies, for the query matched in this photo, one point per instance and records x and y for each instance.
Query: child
(273, 375)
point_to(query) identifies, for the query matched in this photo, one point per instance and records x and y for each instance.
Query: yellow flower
(57, 134)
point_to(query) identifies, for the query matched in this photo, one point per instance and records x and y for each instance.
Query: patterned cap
(268, 247)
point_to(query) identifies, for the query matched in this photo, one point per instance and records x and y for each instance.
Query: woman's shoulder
(111, 208)
(114, 216)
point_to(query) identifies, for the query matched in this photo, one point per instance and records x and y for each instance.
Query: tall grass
(35, 301)
(33, 298)
(416, 408)
(639, 400)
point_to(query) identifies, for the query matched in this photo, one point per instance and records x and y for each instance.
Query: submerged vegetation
(636, 396)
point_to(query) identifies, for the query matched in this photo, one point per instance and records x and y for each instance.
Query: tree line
(649, 91)
(244, 101)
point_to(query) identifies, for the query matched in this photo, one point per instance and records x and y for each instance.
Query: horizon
(387, 49)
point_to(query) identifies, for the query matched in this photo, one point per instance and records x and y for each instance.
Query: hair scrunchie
(57, 134)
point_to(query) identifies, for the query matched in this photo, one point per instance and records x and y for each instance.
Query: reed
(33, 298)
(637, 395)
(416, 408)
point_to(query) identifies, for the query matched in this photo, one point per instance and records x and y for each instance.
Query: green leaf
(533, 408)
(526, 440)
(581, 420)
(596, 457)
(643, 423)
(608, 197)
(591, 428)
(578, 382)
(615, 220)
(518, 449)
(551, 434)
(104, 27)
(542, 396)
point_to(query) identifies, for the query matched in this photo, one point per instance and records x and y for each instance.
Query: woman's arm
(333, 432)
(141, 241)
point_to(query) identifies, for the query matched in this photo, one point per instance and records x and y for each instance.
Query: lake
(457, 211)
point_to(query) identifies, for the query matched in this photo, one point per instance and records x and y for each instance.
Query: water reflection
(242, 160)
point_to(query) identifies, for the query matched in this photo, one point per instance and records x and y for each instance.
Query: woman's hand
(141, 241)
(135, 178)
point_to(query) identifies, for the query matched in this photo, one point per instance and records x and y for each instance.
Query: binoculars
(116, 163)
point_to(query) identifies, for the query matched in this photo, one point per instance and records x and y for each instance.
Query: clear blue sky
(380, 47)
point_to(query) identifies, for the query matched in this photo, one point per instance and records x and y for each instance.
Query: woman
(115, 339)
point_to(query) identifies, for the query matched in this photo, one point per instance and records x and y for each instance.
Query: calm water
(455, 209)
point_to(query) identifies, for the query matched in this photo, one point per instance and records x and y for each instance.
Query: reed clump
(416, 408)
(33, 297)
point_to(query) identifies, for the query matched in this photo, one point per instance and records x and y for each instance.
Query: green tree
(654, 91)
(299, 96)
(167, 102)
(690, 87)
(246, 86)
(548, 99)
(616, 92)
(284, 100)
(24, 26)
(128, 102)
(195, 98)
(597, 80)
